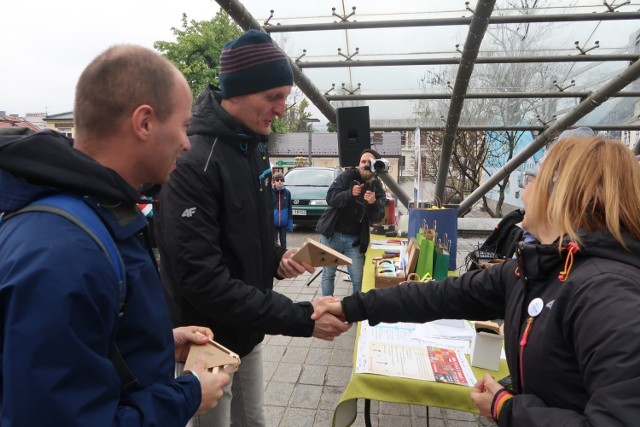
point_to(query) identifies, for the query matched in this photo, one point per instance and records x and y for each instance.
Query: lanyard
(523, 344)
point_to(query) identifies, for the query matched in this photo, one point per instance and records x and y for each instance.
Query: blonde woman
(571, 304)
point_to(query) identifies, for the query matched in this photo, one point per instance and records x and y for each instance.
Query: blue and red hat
(252, 63)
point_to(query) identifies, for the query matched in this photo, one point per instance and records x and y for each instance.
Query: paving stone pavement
(304, 377)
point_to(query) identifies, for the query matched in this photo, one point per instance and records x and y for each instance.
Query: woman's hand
(483, 393)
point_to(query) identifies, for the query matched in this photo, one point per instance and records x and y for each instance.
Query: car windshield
(312, 177)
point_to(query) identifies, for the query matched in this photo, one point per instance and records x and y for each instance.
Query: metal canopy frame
(478, 24)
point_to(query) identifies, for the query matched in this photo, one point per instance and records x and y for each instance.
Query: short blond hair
(588, 184)
(117, 82)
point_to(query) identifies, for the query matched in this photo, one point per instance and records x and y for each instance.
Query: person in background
(214, 225)
(282, 209)
(569, 302)
(355, 199)
(60, 297)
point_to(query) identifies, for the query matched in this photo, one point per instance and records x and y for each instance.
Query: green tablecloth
(401, 390)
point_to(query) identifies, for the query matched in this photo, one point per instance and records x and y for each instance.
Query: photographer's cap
(371, 151)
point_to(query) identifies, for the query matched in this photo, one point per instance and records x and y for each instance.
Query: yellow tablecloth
(401, 390)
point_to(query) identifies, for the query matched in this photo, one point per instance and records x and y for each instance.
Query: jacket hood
(209, 118)
(44, 162)
(603, 245)
(540, 261)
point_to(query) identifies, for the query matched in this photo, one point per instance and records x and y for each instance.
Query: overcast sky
(46, 44)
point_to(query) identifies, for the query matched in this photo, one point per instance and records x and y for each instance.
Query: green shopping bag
(425, 257)
(441, 261)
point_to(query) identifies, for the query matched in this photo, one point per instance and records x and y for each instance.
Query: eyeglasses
(527, 177)
(278, 179)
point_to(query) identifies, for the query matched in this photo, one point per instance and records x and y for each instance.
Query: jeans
(242, 404)
(282, 233)
(343, 243)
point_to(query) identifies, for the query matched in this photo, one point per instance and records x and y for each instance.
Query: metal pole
(630, 57)
(473, 95)
(477, 30)
(443, 22)
(495, 128)
(395, 188)
(310, 133)
(627, 77)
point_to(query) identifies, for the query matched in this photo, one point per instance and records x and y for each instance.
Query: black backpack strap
(80, 214)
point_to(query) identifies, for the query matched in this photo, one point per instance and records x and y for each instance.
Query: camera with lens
(378, 165)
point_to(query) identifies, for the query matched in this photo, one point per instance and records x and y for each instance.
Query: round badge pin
(535, 307)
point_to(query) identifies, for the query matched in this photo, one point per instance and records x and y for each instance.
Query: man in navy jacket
(60, 311)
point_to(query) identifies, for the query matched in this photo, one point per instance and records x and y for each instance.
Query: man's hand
(370, 197)
(327, 326)
(327, 305)
(185, 336)
(482, 394)
(289, 268)
(356, 190)
(212, 385)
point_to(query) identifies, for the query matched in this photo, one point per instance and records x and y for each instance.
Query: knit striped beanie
(252, 63)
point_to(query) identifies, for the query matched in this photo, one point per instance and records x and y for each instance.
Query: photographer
(355, 199)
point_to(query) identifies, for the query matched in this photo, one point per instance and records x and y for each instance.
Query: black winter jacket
(581, 363)
(344, 207)
(214, 229)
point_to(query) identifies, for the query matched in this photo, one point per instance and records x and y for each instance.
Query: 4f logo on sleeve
(188, 213)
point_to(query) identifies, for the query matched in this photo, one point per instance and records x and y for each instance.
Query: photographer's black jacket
(348, 214)
(214, 229)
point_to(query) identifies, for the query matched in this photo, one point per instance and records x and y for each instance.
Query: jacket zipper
(523, 344)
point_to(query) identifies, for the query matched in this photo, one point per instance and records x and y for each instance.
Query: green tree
(293, 118)
(197, 48)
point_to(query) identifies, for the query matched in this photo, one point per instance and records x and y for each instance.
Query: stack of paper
(393, 350)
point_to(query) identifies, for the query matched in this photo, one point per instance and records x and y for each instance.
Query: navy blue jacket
(282, 207)
(59, 301)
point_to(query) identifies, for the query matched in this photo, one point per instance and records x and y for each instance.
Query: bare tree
(475, 155)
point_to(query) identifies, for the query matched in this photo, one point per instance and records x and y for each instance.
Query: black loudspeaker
(353, 134)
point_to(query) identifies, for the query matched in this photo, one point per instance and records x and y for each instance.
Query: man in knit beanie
(214, 225)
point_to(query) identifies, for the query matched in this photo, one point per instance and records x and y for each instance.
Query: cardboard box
(216, 356)
(319, 255)
(486, 347)
(384, 281)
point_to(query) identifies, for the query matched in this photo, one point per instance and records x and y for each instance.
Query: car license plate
(299, 212)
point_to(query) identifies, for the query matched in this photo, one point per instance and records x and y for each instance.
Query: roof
(405, 60)
(60, 116)
(12, 121)
(488, 65)
(326, 144)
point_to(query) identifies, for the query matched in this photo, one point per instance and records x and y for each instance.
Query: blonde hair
(588, 184)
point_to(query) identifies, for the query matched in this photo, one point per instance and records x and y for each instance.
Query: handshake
(329, 318)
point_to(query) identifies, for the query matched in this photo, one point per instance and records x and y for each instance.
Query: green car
(308, 187)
